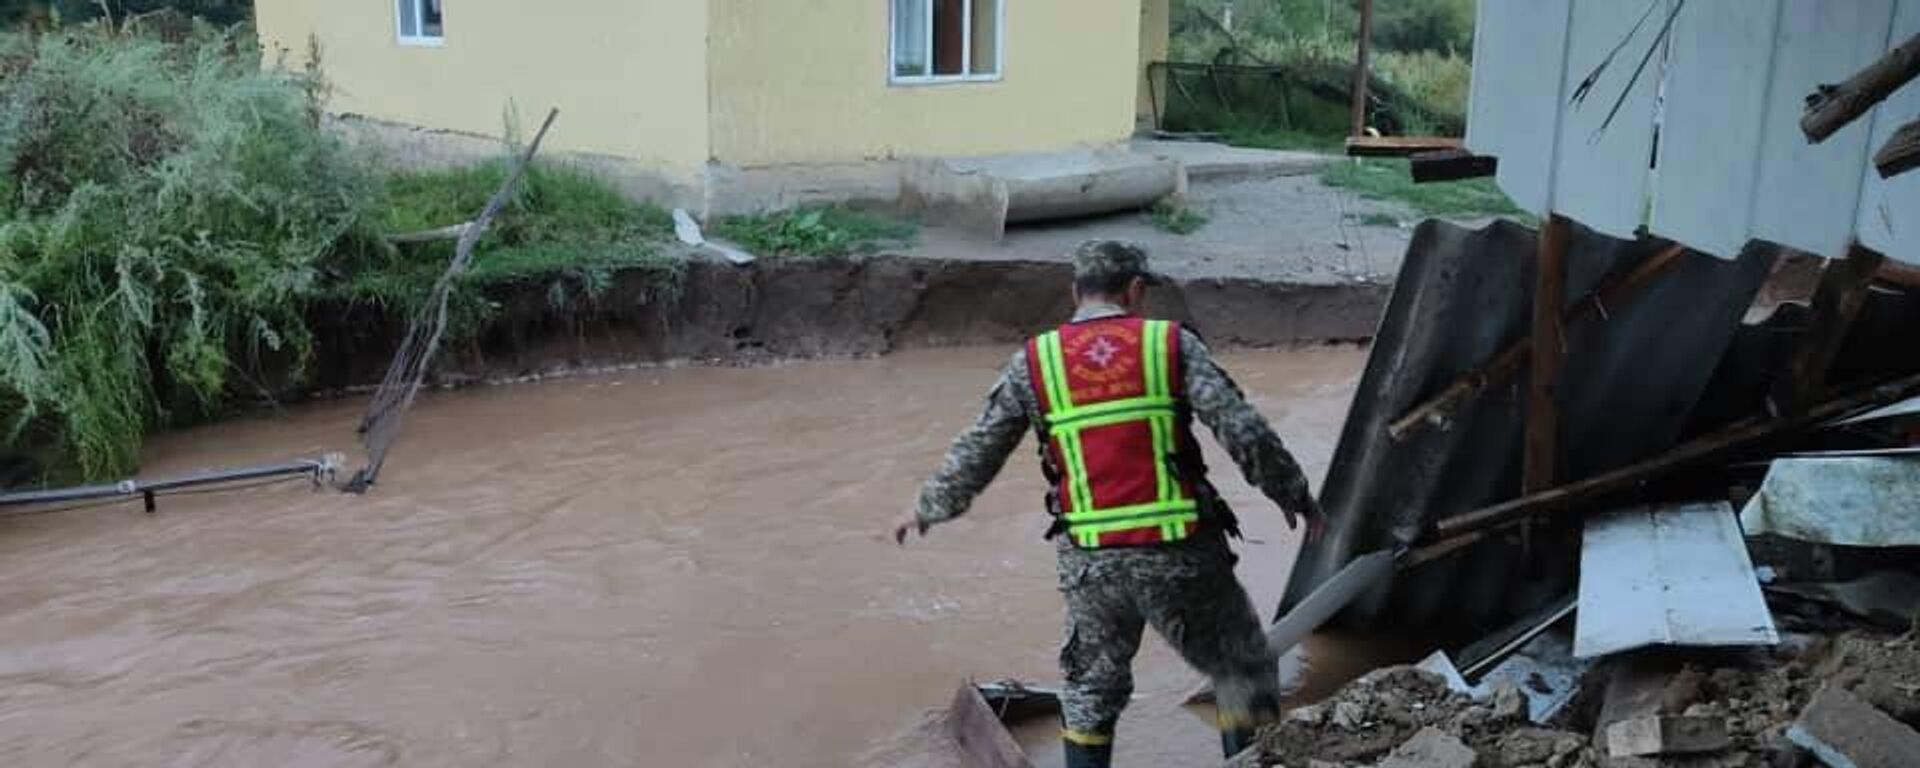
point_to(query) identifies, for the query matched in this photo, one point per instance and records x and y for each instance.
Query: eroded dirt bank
(823, 308)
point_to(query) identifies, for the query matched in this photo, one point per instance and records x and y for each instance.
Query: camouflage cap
(1102, 258)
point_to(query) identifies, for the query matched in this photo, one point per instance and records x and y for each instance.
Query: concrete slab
(1207, 161)
(1845, 732)
(1667, 735)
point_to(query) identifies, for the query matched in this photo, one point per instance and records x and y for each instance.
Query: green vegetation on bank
(814, 232)
(1175, 218)
(172, 214)
(1388, 179)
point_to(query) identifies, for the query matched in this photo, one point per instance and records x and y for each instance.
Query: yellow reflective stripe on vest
(1133, 511)
(1053, 371)
(1130, 409)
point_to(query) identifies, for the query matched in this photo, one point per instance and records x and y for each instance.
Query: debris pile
(1774, 708)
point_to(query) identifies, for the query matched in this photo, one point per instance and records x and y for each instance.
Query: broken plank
(984, 742)
(1451, 165)
(1901, 152)
(1896, 273)
(1742, 434)
(1843, 730)
(1837, 300)
(1398, 146)
(1832, 107)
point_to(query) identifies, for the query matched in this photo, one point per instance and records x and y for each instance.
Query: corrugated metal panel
(1722, 50)
(1455, 304)
(1888, 207)
(1602, 174)
(1734, 164)
(1807, 194)
(1520, 50)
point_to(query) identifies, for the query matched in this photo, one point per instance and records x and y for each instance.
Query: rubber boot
(1088, 755)
(1237, 740)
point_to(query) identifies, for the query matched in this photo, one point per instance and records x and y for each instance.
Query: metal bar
(129, 489)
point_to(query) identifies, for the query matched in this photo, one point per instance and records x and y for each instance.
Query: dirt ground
(1759, 694)
(1289, 229)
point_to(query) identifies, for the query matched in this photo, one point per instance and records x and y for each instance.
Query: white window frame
(966, 48)
(420, 13)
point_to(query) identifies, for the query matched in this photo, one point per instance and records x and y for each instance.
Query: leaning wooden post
(1360, 69)
(1539, 470)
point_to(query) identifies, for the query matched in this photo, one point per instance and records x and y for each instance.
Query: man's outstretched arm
(976, 455)
(1248, 438)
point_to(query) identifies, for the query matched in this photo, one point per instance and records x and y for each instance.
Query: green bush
(164, 210)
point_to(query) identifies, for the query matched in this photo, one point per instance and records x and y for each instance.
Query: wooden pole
(1832, 107)
(1539, 471)
(1738, 436)
(1360, 69)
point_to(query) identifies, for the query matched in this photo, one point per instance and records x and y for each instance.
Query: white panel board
(1601, 176)
(1519, 51)
(1890, 208)
(1853, 501)
(1808, 195)
(1704, 188)
(1676, 575)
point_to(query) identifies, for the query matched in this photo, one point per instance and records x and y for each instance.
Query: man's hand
(1316, 520)
(907, 522)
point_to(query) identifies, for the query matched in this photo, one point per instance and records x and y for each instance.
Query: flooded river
(676, 567)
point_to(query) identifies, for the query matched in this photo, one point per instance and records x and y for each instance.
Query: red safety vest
(1117, 430)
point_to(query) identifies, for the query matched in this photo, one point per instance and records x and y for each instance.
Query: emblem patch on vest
(1105, 363)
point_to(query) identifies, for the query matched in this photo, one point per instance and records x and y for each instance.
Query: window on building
(946, 40)
(420, 22)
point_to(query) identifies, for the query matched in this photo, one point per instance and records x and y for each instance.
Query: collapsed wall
(851, 307)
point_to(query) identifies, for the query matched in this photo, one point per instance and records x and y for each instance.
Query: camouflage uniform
(1185, 590)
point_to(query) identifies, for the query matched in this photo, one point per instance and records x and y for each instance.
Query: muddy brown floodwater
(675, 567)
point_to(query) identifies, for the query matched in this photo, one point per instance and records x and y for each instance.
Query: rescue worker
(1141, 536)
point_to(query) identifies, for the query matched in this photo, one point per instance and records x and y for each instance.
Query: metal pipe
(128, 489)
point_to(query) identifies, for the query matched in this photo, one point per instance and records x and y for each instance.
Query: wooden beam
(1360, 69)
(1539, 470)
(1398, 146)
(1837, 300)
(1741, 435)
(1451, 165)
(1831, 107)
(1503, 366)
(1896, 273)
(1902, 152)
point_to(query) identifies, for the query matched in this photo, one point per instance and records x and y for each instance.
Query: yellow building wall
(1156, 39)
(806, 81)
(629, 76)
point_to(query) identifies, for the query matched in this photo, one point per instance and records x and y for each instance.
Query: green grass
(565, 228)
(1282, 138)
(1175, 218)
(814, 232)
(1388, 180)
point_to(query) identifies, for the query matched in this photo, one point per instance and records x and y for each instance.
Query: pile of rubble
(1849, 700)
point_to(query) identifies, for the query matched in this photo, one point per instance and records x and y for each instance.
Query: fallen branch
(1902, 152)
(1831, 107)
(1741, 435)
(453, 232)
